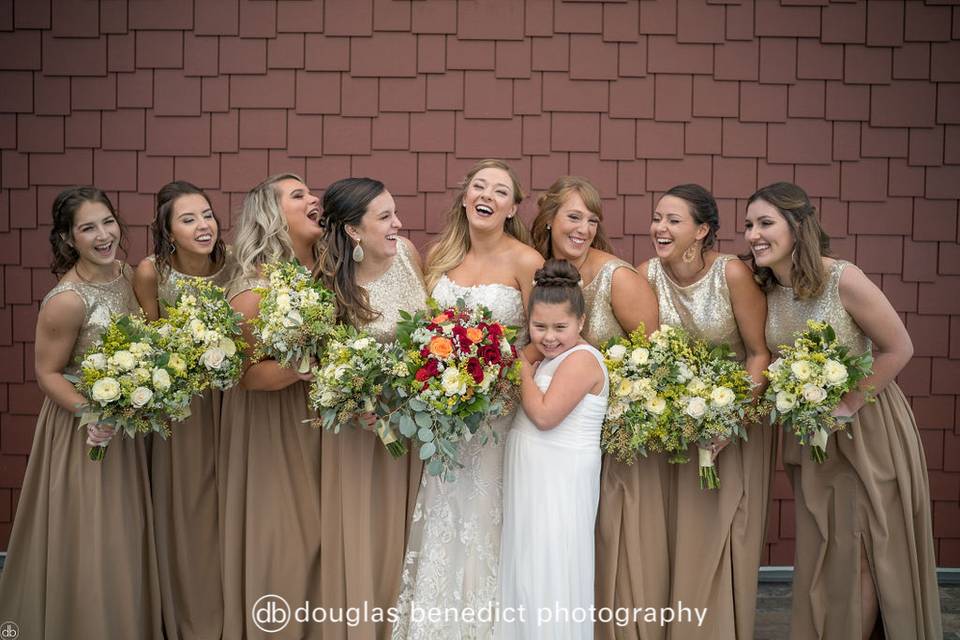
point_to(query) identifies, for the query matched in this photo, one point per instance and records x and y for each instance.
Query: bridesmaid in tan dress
(268, 471)
(864, 543)
(632, 569)
(717, 535)
(367, 496)
(81, 561)
(187, 243)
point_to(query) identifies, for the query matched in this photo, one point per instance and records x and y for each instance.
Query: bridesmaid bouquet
(808, 381)
(296, 315)
(349, 381)
(203, 330)
(132, 383)
(452, 368)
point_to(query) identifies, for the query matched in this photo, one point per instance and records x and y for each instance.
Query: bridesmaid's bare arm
(58, 327)
(146, 287)
(876, 317)
(266, 375)
(634, 301)
(527, 261)
(750, 310)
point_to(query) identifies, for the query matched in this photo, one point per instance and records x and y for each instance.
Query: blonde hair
(549, 203)
(262, 234)
(451, 247)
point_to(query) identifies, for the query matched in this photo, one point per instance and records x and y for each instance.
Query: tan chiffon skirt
(268, 475)
(368, 499)
(871, 493)
(185, 508)
(81, 561)
(719, 538)
(633, 559)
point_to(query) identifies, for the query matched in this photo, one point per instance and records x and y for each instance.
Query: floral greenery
(451, 368)
(205, 331)
(350, 382)
(808, 381)
(296, 314)
(131, 382)
(669, 391)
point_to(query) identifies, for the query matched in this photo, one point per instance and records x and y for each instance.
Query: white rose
(361, 344)
(624, 388)
(139, 348)
(617, 352)
(96, 361)
(293, 319)
(177, 363)
(722, 396)
(685, 373)
(785, 401)
(197, 329)
(164, 329)
(834, 372)
(141, 374)
(450, 382)
(140, 396)
(161, 379)
(213, 358)
(283, 302)
(696, 407)
(228, 347)
(813, 394)
(106, 390)
(328, 399)
(801, 369)
(124, 359)
(639, 357)
(775, 365)
(696, 385)
(655, 405)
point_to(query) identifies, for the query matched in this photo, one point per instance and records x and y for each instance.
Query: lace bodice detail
(401, 287)
(504, 302)
(100, 301)
(602, 324)
(787, 315)
(167, 284)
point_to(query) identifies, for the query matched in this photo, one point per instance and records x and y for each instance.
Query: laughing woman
(717, 536)
(865, 550)
(187, 243)
(268, 471)
(81, 560)
(366, 495)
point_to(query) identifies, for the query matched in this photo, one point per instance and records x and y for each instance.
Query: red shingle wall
(857, 102)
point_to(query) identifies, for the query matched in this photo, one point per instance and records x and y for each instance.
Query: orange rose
(440, 319)
(440, 346)
(475, 335)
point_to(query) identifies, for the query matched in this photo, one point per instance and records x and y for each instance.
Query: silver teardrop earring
(549, 227)
(358, 252)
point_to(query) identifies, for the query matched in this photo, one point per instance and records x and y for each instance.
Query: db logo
(270, 613)
(9, 630)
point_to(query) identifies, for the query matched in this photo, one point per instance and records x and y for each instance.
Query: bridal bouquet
(350, 381)
(296, 315)
(205, 332)
(132, 383)
(808, 381)
(451, 368)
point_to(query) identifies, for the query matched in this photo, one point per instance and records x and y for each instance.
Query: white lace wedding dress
(450, 583)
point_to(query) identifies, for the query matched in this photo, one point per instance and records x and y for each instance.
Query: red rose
(475, 369)
(425, 352)
(490, 354)
(495, 330)
(460, 333)
(422, 374)
(432, 366)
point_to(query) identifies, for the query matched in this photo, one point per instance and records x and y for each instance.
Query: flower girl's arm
(58, 326)
(266, 375)
(577, 375)
(879, 321)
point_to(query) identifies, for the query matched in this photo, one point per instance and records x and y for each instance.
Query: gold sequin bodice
(787, 315)
(100, 301)
(601, 323)
(703, 308)
(167, 285)
(401, 287)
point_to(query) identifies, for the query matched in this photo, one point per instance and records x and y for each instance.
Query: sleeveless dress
(718, 536)
(366, 495)
(871, 492)
(81, 561)
(551, 486)
(268, 479)
(632, 568)
(183, 480)
(453, 552)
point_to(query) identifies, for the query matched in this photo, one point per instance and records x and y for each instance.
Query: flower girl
(551, 480)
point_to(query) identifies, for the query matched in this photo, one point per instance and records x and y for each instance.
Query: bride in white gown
(450, 582)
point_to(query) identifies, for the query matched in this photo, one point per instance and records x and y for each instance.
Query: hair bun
(557, 273)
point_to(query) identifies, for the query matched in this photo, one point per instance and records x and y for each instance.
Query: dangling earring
(691, 253)
(358, 252)
(173, 246)
(549, 227)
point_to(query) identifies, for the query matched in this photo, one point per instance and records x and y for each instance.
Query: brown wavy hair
(65, 207)
(163, 246)
(703, 209)
(549, 203)
(345, 202)
(811, 242)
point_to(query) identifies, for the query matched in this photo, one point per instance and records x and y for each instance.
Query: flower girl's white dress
(551, 487)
